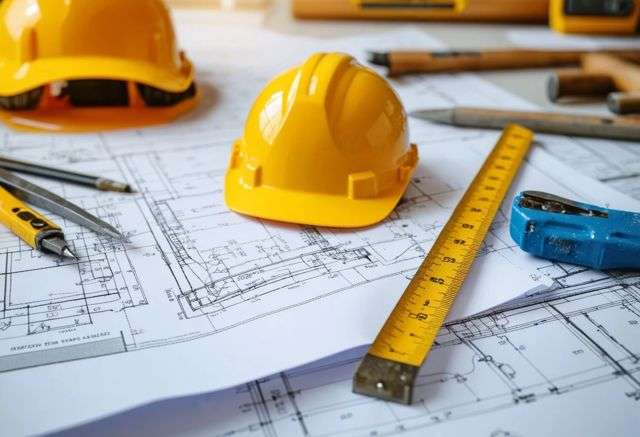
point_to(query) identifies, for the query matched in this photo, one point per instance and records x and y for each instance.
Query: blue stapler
(559, 229)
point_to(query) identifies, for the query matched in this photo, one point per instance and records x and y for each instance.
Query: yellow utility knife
(32, 227)
(35, 229)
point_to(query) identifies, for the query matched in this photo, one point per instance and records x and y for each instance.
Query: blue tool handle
(623, 242)
(610, 239)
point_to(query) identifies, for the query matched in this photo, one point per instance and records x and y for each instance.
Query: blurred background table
(276, 15)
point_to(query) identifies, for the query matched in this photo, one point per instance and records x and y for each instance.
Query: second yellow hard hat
(326, 143)
(114, 61)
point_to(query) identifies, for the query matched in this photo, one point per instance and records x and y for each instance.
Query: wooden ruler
(390, 368)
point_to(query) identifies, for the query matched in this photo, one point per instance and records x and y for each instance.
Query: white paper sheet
(563, 363)
(560, 363)
(179, 311)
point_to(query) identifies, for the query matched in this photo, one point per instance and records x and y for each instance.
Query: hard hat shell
(42, 41)
(325, 143)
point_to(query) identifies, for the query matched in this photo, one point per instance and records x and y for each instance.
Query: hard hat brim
(309, 208)
(19, 78)
(94, 119)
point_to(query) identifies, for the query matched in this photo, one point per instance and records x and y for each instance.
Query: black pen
(101, 183)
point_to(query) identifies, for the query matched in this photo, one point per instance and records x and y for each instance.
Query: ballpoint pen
(99, 182)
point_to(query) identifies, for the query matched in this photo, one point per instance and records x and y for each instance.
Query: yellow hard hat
(58, 54)
(326, 143)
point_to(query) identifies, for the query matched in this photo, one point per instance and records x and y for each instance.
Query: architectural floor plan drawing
(202, 298)
(530, 368)
(480, 366)
(487, 375)
(616, 163)
(197, 283)
(218, 270)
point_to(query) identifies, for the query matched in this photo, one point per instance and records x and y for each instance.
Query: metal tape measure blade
(391, 365)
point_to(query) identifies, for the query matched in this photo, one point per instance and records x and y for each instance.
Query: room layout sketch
(486, 367)
(191, 267)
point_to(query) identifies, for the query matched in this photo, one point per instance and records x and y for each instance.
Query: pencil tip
(553, 88)
(56, 244)
(379, 58)
(67, 252)
(117, 235)
(435, 115)
(114, 233)
(105, 184)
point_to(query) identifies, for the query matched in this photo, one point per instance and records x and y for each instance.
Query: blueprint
(616, 163)
(487, 376)
(564, 361)
(202, 298)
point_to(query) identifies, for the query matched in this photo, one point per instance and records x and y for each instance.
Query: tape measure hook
(384, 379)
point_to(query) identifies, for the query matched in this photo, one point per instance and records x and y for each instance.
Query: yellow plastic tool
(594, 16)
(56, 56)
(326, 143)
(390, 368)
(30, 226)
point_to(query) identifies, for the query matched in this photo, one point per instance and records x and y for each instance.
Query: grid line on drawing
(480, 365)
(213, 283)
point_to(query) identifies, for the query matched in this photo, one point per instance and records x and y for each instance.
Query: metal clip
(566, 231)
(541, 201)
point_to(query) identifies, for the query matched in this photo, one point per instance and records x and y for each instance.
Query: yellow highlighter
(32, 227)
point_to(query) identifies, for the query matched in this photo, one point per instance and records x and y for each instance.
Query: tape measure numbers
(389, 369)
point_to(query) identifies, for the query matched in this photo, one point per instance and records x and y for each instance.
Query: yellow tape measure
(389, 369)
